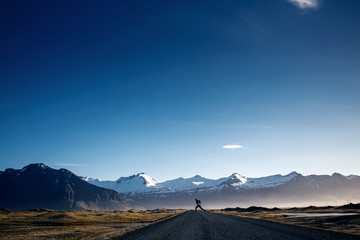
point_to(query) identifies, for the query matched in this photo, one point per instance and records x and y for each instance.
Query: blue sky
(109, 89)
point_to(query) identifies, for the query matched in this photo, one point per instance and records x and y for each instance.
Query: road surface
(206, 225)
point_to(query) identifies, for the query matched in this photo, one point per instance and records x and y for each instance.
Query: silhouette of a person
(198, 205)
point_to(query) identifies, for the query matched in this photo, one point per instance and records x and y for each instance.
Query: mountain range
(292, 189)
(39, 186)
(143, 183)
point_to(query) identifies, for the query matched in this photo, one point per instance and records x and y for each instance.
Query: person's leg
(202, 208)
(196, 207)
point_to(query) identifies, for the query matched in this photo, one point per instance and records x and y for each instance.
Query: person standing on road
(198, 205)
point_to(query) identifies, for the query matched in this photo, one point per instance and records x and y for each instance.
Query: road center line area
(207, 225)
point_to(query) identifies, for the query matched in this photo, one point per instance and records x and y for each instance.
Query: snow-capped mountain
(136, 183)
(239, 182)
(236, 190)
(143, 183)
(183, 184)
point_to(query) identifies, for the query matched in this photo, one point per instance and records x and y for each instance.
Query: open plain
(50, 224)
(229, 223)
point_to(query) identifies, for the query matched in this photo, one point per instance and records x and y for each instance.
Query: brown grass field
(50, 224)
(345, 224)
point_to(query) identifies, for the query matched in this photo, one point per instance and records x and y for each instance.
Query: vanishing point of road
(205, 225)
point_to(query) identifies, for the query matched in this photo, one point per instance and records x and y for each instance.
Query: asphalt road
(206, 225)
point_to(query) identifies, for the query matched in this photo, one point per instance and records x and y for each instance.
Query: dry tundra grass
(346, 224)
(50, 224)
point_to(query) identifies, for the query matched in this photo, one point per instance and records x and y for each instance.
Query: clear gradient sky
(112, 88)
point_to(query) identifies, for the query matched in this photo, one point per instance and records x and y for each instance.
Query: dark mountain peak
(295, 176)
(337, 177)
(35, 167)
(237, 177)
(31, 168)
(10, 170)
(39, 186)
(138, 175)
(335, 174)
(294, 173)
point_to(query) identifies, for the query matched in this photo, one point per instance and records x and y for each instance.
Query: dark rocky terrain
(39, 186)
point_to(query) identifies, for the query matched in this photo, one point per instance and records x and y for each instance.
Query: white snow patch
(198, 183)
